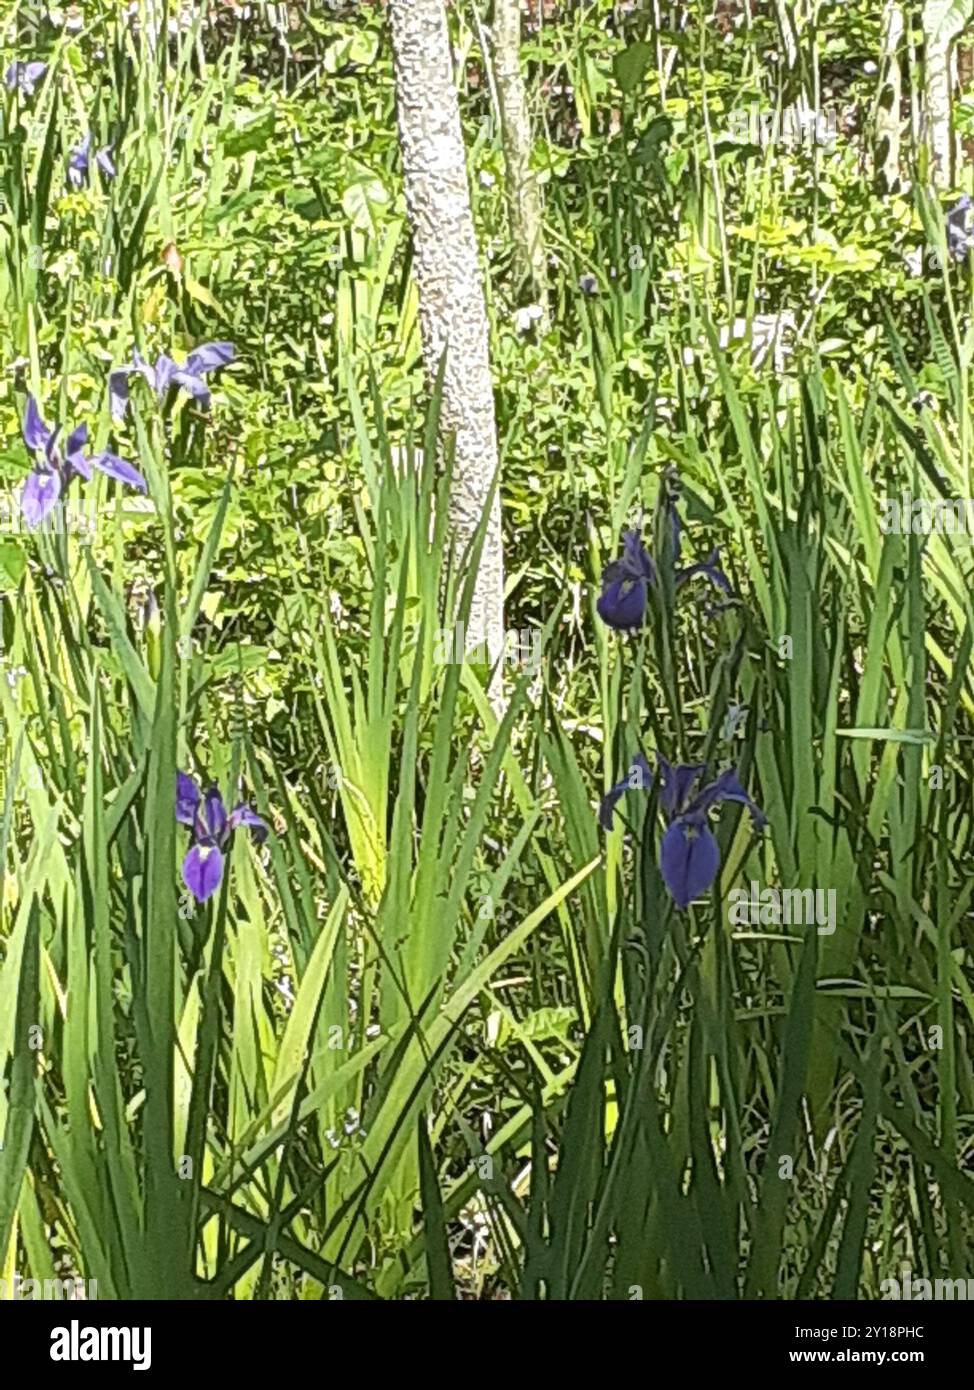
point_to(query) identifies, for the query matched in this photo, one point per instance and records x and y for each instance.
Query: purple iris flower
(625, 582)
(207, 817)
(959, 239)
(166, 373)
(54, 468)
(80, 159)
(24, 77)
(625, 585)
(689, 854)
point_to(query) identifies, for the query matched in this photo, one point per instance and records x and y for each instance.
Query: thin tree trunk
(453, 314)
(890, 97)
(938, 110)
(938, 35)
(523, 199)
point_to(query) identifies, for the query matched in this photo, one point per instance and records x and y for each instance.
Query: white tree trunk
(453, 314)
(523, 200)
(888, 112)
(937, 67)
(943, 20)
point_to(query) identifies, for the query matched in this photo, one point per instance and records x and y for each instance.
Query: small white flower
(526, 318)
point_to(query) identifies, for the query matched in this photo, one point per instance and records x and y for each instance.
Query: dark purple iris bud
(54, 467)
(625, 585)
(959, 239)
(212, 829)
(676, 525)
(689, 854)
(24, 77)
(167, 373)
(79, 162)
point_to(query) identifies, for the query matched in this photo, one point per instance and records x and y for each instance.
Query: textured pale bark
(942, 21)
(890, 97)
(523, 198)
(937, 90)
(453, 314)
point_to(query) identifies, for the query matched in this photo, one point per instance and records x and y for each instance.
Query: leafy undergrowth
(440, 1033)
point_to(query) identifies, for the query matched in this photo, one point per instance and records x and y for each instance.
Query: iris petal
(73, 446)
(214, 814)
(105, 162)
(202, 871)
(78, 163)
(689, 859)
(243, 815)
(727, 787)
(36, 433)
(636, 560)
(193, 385)
(165, 367)
(39, 497)
(638, 778)
(677, 784)
(76, 440)
(24, 76)
(622, 604)
(187, 799)
(710, 568)
(208, 356)
(118, 469)
(118, 391)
